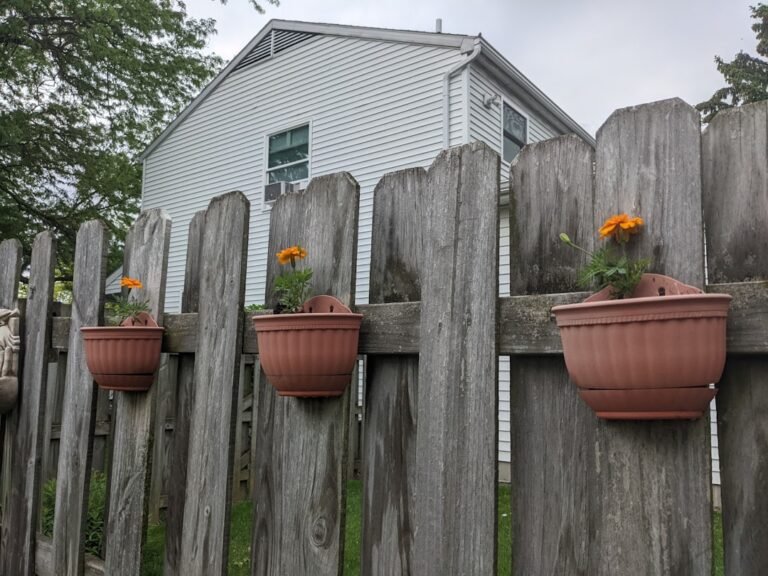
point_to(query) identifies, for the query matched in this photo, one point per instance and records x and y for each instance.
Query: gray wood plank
(18, 531)
(591, 497)
(74, 470)
(735, 180)
(57, 375)
(551, 192)
(165, 396)
(557, 188)
(44, 560)
(456, 439)
(146, 258)
(205, 533)
(735, 184)
(10, 264)
(300, 473)
(526, 325)
(648, 163)
(185, 390)
(391, 394)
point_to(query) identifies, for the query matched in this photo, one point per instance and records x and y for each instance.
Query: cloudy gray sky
(589, 56)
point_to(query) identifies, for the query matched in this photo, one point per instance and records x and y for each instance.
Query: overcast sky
(589, 56)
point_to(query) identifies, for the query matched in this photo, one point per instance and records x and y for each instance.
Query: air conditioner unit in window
(274, 190)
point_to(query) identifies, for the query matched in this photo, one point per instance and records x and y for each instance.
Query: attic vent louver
(273, 43)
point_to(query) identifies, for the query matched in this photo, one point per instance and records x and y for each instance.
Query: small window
(515, 132)
(288, 157)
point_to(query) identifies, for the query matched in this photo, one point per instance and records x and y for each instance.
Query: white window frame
(265, 175)
(517, 108)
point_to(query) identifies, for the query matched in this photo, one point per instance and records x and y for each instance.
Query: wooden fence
(588, 496)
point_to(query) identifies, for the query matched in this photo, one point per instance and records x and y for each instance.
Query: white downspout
(447, 91)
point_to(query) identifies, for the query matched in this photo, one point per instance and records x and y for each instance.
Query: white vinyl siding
(485, 123)
(374, 106)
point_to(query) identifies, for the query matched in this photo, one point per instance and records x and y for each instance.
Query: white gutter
(447, 90)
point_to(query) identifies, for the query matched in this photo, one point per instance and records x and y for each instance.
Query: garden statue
(10, 345)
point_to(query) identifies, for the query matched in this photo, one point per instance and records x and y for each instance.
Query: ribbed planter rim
(636, 309)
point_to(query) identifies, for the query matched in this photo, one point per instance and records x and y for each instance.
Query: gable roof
(293, 32)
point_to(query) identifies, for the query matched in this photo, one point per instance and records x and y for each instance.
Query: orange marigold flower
(620, 227)
(128, 282)
(291, 255)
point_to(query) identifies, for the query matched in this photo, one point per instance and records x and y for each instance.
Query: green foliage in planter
(94, 526)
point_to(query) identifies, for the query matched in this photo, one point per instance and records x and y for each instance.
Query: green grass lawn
(240, 538)
(240, 532)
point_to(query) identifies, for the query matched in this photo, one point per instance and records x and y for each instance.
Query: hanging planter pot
(652, 356)
(124, 357)
(311, 353)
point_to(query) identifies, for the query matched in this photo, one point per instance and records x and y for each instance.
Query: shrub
(94, 526)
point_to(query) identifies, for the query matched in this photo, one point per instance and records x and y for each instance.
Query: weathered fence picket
(735, 183)
(628, 497)
(456, 438)
(299, 493)
(551, 191)
(18, 533)
(205, 527)
(648, 161)
(389, 430)
(588, 496)
(185, 397)
(146, 258)
(79, 414)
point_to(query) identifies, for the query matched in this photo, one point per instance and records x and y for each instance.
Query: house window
(288, 156)
(515, 132)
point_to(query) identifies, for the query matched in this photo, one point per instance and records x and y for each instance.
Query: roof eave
(519, 79)
(210, 87)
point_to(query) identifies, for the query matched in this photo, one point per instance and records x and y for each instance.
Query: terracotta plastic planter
(654, 356)
(124, 357)
(310, 354)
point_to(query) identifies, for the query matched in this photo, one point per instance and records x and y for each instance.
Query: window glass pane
(290, 173)
(511, 148)
(287, 155)
(515, 124)
(288, 146)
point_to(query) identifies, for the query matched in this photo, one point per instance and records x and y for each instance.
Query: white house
(305, 99)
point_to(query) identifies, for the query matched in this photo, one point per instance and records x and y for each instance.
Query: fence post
(735, 180)
(21, 521)
(174, 520)
(590, 496)
(300, 474)
(391, 392)
(10, 265)
(74, 469)
(457, 433)
(146, 258)
(205, 534)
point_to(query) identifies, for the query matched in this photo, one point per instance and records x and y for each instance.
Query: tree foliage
(85, 85)
(747, 76)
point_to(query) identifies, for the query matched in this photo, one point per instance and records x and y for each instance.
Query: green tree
(747, 76)
(85, 85)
